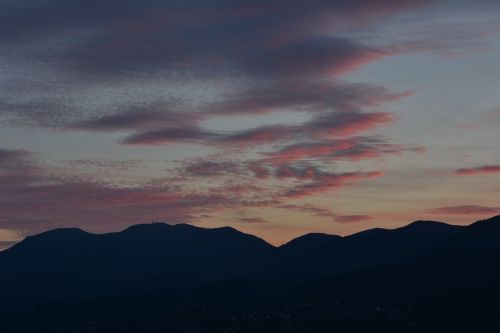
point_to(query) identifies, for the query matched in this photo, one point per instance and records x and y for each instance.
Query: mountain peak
(419, 224)
(59, 233)
(148, 226)
(62, 237)
(312, 237)
(63, 231)
(427, 222)
(308, 242)
(488, 223)
(493, 219)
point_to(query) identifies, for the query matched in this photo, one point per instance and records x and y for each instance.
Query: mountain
(440, 278)
(71, 265)
(479, 235)
(68, 264)
(320, 255)
(308, 244)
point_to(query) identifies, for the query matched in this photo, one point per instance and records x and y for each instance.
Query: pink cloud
(258, 169)
(353, 149)
(308, 150)
(302, 173)
(481, 170)
(346, 123)
(304, 95)
(324, 182)
(322, 126)
(33, 199)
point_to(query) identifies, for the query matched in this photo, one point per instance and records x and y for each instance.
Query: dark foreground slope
(460, 296)
(440, 279)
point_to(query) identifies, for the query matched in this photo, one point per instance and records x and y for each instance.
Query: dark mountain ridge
(70, 264)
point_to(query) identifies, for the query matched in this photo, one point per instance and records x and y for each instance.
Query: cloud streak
(466, 210)
(191, 33)
(324, 126)
(351, 149)
(250, 220)
(353, 218)
(321, 181)
(33, 199)
(97, 205)
(481, 170)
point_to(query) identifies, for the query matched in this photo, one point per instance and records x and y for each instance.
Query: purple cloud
(335, 124)
(250, 220)
(322, 181)
(466, 210)
(353, 218)
(210, 168)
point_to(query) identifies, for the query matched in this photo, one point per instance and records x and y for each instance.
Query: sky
(275, 117)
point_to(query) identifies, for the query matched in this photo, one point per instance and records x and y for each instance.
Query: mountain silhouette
(316, 255)
(66, 264)
(71, 265)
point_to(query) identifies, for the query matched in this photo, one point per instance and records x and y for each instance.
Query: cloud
(120, 165)
(303, 95)
(466, 210)
(32, 204)
(258, 136)
(288, 58)
(353, 218)
(250, 220)
(106, 67)
(336, 124)
(192, 33)
(35, 198)
(12, 157)
(16, 166)
(308, 179)
(325, 212)
(324, 126)
(324, 56)
(210, 168)
(146, 118)
(481, 170)
(309, 208)
(323, 181)
(259, 169)
(290, 53)
(302, 151)
(171, 135)
(353, 148)
(302, 173)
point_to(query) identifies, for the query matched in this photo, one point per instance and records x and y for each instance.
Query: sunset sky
(275, 117)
